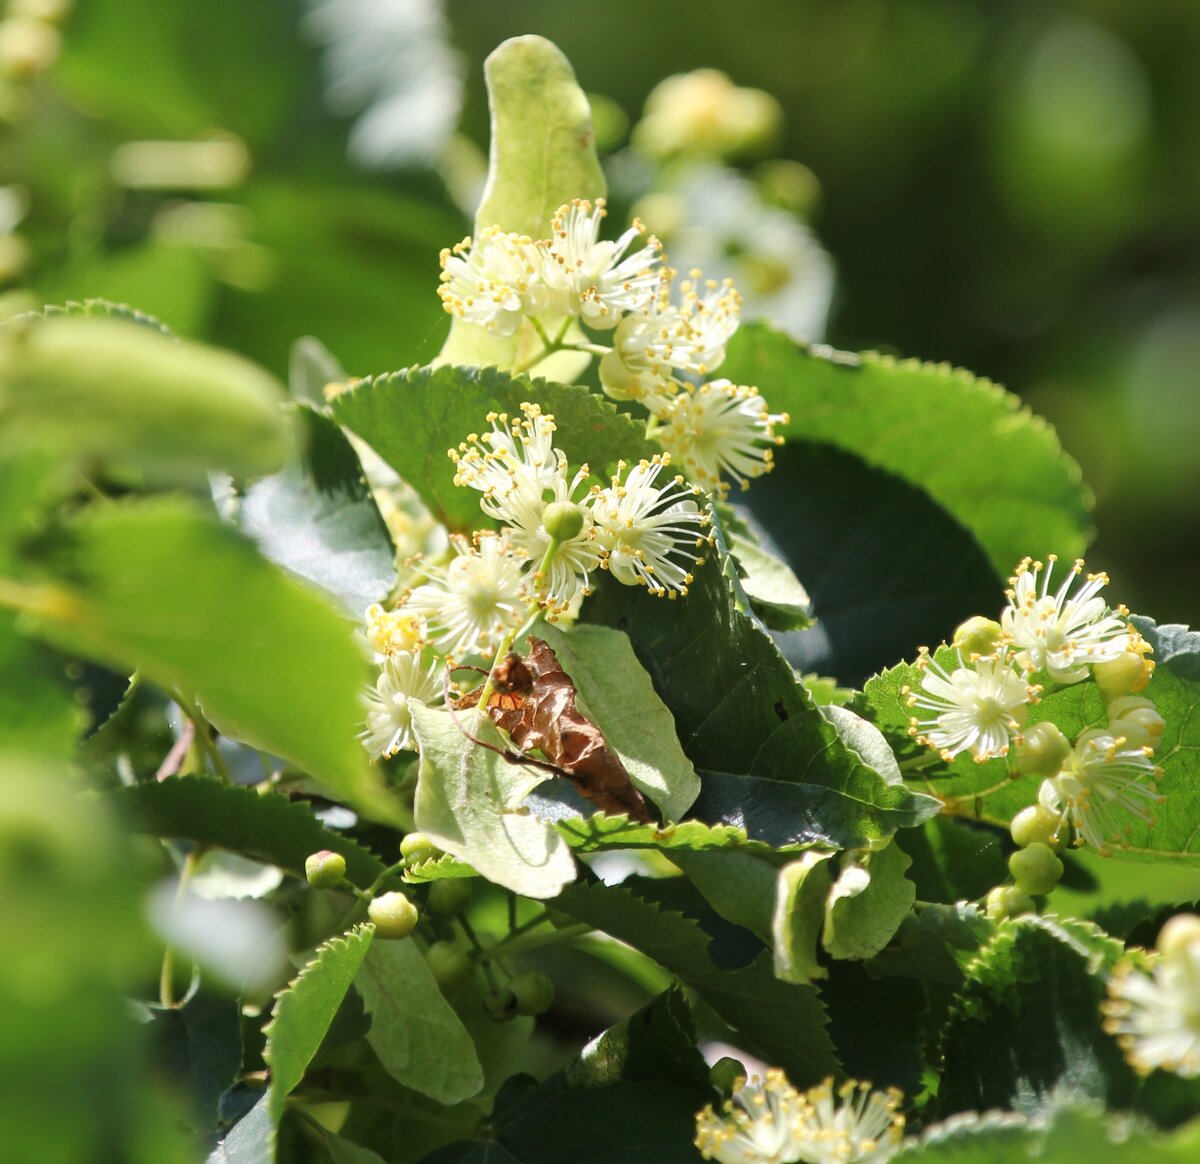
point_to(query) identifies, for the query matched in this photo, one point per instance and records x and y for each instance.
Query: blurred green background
(1009, 186)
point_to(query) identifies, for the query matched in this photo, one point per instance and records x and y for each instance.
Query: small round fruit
(562, 520)
(500, 1005)
(977, 636)
(1035, 869)
(325, 869)
(1037, 824)
(450, 897)
(448, 963)
(534, 993)
(393, 914)
(1007, 901)
(1042, 751)
(417, 847)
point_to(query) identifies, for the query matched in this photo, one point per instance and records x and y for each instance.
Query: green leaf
(96, 309)
(267, 826)
(443, 868)
(770, 761)
(862, 541)
(935, 942)
(781, 1023)
(343, 1151)
(738, 884)
(305, 1009)
(777, 595)
(250, 1141)
(1175, 690)
(37, 715)
(616, 694)
(986, 460)
(600, 832)
(417, 1036)
(412, 418)
(860, 919)
(199, 1046)
(542, 155)
(800, 895)
(161, 586)
(468, 803)
(104, 388)
(318, 519)
(312, 366)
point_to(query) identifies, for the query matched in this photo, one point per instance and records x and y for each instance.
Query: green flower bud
(1178, 934)
(1007, 901)
(562, 520)
(1042, 751)
(727, 1075)
(450, 897)
(1140, 728)
(1038, 825)
(325, 870)
(534, 993)
(1125, 675)
(500, 1006)
(1035, 869)
(393, 914)
(977, 636)
(448, 963)
(417, 847)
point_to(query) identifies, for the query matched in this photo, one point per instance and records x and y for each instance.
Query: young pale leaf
(108, 389)
(860, 919)
(970, 445)
(770, 761)
(318, 519)
(782, 1023)
(468, 803)
(412, 418)
(800, 895)
(417, 1036)
(162, 586)
(599, 832)
(269, 827)
(311, 368)
(542, 155)
(250, 1141)
(615, 693)
(777, 595)
(305, 1009)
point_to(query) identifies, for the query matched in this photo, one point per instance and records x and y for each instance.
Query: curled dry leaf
(534, 702)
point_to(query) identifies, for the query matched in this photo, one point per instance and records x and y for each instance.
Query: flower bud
(393, 914)
(1178, 934)
(325, 870)
(500, 1005)
(534, 993)
(562, 520)
(448, 963)
(1124, 675)
(977, 636)
(1042, 751)
(1038, 825)
(1035, 869)
(727, 1075)
(1142, 727)
(417, 847)
(450, 897)
(1007, 901)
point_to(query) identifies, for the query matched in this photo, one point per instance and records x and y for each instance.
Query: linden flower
(649, 532)
(389, 631)
(763, 1123)
(979, 707)
(493, 281)
(708, 317)
(588, 276)
(1061, 632)
(389, 722)
(721, 428)
(864, 1127)
(638, 367)
(1102, 784)
(1156, 1017)
(521, 473)
(473, 600)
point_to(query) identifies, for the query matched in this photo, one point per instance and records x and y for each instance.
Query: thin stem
(204, 738)
(43, 600)
(526, 942)
(480, 954)
(166, 977)
(918, 763)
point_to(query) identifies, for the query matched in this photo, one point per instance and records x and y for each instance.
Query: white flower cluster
(1155, 1016)
(770, 1122)
(661, 350)
(981, 706)
(644, 527)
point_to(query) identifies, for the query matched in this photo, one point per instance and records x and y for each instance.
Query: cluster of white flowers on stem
(1155, 1015)
(662, 348)
(1060, 637)
(557, 528)
(770, 1122)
